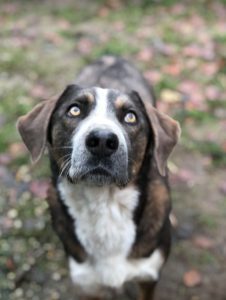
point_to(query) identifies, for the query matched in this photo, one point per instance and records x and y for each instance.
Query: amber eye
(74, 111)
(130, 118)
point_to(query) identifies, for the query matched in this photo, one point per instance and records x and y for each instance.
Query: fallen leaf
(153, 76)
(145, 55)
(23, 174)
(54, 38)
(188, 86)
(39, 188)
(64, 24)
(183, 176)
(163, 48)
(203, 242)
(39, 91)
(10, 264)
(85, 46)
(178, 8)
(16, 150)
(210, 68)
(194, 92)
(163, 107)
(173, 69)
(170, 96)
(205, 51)
(103, 12)
(192, 278)
(5, 159)
(118, 26)
(212, 92)
(114, 4)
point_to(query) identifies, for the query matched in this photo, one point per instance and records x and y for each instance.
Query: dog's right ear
(33, 127)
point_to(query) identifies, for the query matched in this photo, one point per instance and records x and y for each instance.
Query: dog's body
(109, 200)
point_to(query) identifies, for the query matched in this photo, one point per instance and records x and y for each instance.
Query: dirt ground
(180, 46)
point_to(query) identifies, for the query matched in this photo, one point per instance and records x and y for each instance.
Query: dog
(109, 200)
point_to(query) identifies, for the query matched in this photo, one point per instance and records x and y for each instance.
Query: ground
(180, 47)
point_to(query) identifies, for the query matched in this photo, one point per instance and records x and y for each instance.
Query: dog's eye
(74, 111)
(130, 118)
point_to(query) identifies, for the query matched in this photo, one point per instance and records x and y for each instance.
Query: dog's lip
(98, 171)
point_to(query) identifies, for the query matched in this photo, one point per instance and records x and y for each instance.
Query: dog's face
(99, 135)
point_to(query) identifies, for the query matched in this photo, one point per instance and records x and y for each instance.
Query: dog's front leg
(147, 290)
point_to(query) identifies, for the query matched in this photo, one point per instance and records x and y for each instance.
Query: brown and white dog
(109, 199)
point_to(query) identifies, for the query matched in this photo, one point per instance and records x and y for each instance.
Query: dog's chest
(103, 218)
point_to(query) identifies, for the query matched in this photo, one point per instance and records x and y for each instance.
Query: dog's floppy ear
(166, 134)
(33, 127)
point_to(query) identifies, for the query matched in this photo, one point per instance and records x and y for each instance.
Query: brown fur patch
(119, 102)
(147, 290)
(139, 146)
(89, 97)
(154, 213)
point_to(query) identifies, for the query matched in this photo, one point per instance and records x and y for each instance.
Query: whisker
(59, 161)
(66, 165)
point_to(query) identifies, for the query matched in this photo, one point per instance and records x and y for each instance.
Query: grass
(207, 222)
(115, 46)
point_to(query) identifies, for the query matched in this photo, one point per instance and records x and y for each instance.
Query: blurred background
(181, 48)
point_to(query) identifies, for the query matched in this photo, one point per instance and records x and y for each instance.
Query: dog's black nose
(102, 142)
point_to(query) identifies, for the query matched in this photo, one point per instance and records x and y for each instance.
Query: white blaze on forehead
(101, 102)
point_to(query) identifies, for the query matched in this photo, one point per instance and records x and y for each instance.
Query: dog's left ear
(33, 127)
(166, 134)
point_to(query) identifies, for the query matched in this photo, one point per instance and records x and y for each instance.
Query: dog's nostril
(112, 142)
(102, 142)
(92, 142)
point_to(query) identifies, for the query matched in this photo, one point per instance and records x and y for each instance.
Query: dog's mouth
(99, 171)
(96, 176)
(99, 176)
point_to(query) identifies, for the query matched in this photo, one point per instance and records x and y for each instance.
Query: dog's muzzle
(100, 158)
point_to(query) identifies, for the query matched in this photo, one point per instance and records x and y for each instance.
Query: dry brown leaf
(173, 69)
(16, 150)
(39, 91)
(39, 188)
(203, 242)
(153, 76)
(5, 159)
(54, 38)
(85, 46)
(170, 96)
(145, 55)
(192, 278)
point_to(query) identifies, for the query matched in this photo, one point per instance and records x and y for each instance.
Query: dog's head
(100, 136)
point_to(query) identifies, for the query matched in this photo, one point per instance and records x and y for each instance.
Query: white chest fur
(104, 225)
(103, 217)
